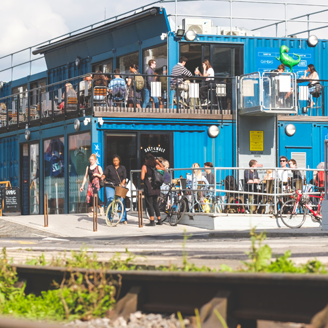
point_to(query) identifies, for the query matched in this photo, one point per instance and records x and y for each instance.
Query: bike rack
(46, 210)
(140, 218)
(95, 212)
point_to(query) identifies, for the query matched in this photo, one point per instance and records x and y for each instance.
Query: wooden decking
(184, 113)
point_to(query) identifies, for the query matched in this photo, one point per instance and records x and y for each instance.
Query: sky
(26, 23)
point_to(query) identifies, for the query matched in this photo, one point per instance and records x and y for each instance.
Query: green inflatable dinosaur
(288, 60)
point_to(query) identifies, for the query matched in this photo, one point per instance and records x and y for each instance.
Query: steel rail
(253, 296)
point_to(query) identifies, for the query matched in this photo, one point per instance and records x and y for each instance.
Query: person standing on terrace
(147, 90)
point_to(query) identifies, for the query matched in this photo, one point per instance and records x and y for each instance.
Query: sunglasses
(282, 160)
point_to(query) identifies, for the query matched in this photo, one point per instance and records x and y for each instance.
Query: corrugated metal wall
(309, 138)
(9, 160)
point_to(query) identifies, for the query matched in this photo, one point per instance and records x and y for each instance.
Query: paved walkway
(81, 226)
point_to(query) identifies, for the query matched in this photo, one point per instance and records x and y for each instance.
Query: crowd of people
(135, 89)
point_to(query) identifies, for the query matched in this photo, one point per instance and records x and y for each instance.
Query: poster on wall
(97, 152)
(266, 59)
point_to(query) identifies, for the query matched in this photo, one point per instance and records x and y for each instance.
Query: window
(124, 62)
(104, 66)
(54, 168)
(160, 55)
(79, 154)
(17, 100)
(226, 60)
(34, 95)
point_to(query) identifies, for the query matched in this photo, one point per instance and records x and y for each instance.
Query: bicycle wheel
(292, 214)
(177, 211)
(116, 210)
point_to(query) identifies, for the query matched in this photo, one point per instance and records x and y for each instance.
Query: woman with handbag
(94, 172)
(115, 175)
(313, 77)
(151, 190)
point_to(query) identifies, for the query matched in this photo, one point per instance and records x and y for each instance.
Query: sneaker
(124, 222)
(151, 223)
(90, 214)
(159, 222)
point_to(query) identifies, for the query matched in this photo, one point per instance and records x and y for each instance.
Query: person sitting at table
(117, 87)
(251, 176)
(71, 97)
(208, 72)
(99, 79)
(87, 82)
(198, 177)
(209, 173)
(297, 176)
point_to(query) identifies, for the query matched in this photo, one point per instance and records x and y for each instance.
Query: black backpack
(158, 178)
(230, 183)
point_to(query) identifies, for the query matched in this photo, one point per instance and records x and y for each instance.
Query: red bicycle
(293, 212)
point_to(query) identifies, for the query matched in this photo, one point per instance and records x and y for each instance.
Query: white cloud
(26, 23)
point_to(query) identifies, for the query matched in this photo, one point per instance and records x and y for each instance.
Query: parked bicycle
(293, 212)
(116, 207)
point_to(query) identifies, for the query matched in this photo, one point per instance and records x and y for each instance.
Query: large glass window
(54, 168)
(34, 179)
(226, 60)
(34, 95)
(105, 66)
(124, 62)
(160, 55)
(79, 153)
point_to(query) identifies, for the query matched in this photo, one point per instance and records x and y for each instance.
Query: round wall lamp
(27, 134)
(312, 41)
(77, 61)
(77, 124)
(213, 131)
(290, 129)
(190, 35)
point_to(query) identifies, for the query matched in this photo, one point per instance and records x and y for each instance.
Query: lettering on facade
(154, 149)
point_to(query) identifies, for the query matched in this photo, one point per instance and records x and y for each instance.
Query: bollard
(95, 212)
(140, 218)
(46, 210)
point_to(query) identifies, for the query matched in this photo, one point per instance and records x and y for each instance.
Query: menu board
(3, 185)
(11, 197)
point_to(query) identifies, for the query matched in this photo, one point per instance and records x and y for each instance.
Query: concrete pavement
(81, 226)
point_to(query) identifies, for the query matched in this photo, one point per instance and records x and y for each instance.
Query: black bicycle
(173, 203)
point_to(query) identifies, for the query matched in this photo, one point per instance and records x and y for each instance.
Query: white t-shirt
(210, 71)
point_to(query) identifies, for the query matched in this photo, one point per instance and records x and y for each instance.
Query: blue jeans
(310, 98)
(147, 98)
(110, 193)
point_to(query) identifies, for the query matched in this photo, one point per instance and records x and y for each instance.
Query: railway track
(243, 297)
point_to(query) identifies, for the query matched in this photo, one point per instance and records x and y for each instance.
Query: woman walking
(151, 191)
(94, 172)
(115, 175)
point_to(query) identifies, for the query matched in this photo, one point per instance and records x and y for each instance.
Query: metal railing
(234, 190)
(229, 16)
(312, 98)
(72, 97)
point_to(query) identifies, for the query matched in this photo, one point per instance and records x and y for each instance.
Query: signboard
(96, 150)
(256, 141)
(266, 59)
(3, 185)
(11, 198)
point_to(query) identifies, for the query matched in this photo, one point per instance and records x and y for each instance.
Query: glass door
(34, 176)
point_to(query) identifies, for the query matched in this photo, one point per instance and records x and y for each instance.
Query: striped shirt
(179, 70)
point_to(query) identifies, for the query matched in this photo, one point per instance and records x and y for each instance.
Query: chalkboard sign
(11, 197)
(3, 185)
